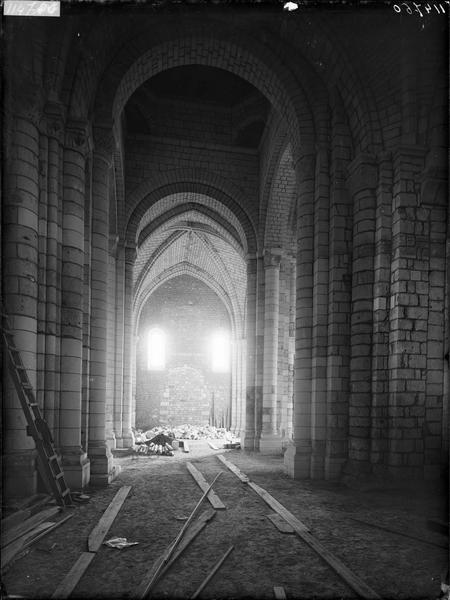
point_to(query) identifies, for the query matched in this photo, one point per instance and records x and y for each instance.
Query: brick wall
(188, 312)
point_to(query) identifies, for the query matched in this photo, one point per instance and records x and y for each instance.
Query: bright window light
(156, 350)
(220, 351)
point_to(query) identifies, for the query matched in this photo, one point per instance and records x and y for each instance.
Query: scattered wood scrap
(67, 585)
(357, 584)
(162, 562)
(213, 498)
(15, 532)
(95, 539)
(297, 525)
(212, 572)
(99, 532)
(19, 544)
(397, 532)
(17, 517)
(233, 468)
(191, 534)
(279, 592)
(280, 523)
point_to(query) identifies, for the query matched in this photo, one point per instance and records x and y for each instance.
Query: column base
(103, 470)
(318, 460)
(297, 461)
(19, 474)
(248, 440)
(333, 467)
(126, 440)
(270, 444)
(111, 440)
(76, 467)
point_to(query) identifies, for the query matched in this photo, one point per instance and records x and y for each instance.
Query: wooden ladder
(49, 465)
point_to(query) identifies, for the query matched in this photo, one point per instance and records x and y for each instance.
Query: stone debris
(163, 440)
(192, 432)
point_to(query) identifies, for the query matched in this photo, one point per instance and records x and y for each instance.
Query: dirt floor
(163, 491)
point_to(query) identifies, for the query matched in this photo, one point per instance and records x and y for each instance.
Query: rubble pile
(191, 432)
(158, 444)
(158, 440)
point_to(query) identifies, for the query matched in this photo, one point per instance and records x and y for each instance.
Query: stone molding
(78, 137)
(272, 258)
(362, 173)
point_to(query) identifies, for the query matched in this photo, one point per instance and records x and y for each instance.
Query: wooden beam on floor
(99, 532)
(280, 523)
(213, 498)
(357, 584)
(17, 517)
(212, 446)
(212, 573)
(27, 525)
(233, 468)
(19, 544)
(148, 582)
(68, 584)
(279, 593)
(396, 532)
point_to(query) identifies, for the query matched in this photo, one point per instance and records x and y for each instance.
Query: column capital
(362, 173)
(272, 258)
(53, 120)
(78, 137)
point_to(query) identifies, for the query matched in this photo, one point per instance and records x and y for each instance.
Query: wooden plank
(280, 523)
(185, 446)
(233, 468)
(170, 551)
(396, 532)
(279, 592)
(67, 585)
(99, 532)
(297, 525)
(27, 525)
(213, 446)
(147, 583)
(16, 518)
(212, 572)
(213, 498)
(357, 584)
(12, 549)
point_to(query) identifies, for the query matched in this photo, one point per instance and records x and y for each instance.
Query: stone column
(381, 298)
(297, 457)
(270, 441)
(119, 356)
(291, 357)
(259, 351)
(339, 298)
(75, 462)
(129, 350)
(363, 180)
(248, 435)
(54, 118)
(320, 314)
(99, 453)
(20, 293)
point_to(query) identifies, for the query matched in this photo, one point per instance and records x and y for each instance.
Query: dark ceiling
(201, 84)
